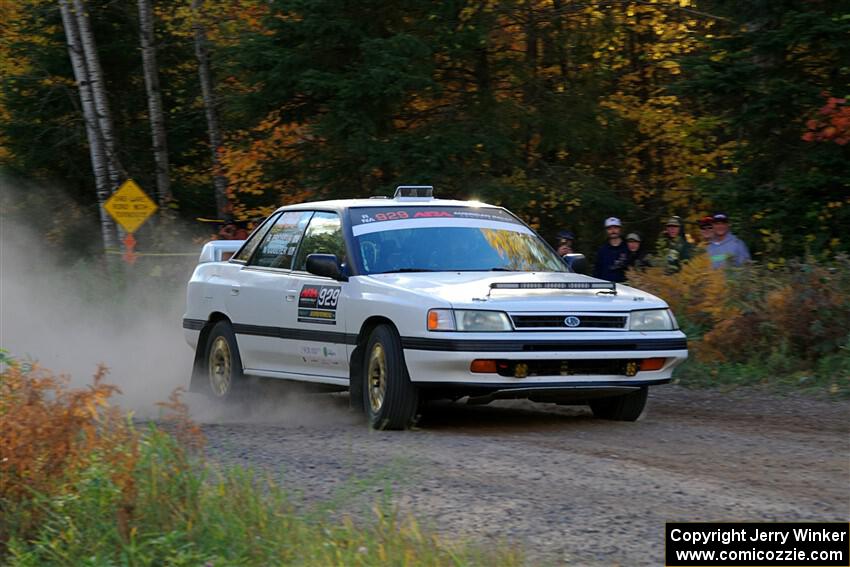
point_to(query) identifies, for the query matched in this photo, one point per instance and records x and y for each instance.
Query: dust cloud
(71, 316)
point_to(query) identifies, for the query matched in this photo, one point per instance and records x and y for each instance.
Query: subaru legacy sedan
(414, 298)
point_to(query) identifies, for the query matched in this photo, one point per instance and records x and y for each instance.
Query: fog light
(483, 366)
(631, 368)
(520, 370)
(652, 363)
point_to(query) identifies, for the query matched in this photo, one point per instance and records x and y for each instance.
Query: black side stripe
(455, 345)
(194, 324)
(296, 334)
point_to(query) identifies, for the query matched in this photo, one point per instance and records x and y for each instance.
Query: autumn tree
(764, 78)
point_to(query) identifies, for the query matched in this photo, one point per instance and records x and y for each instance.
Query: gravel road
(565, 487)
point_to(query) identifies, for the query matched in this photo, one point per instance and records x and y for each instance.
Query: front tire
(626, 407)
(223, 368)
(389, 397)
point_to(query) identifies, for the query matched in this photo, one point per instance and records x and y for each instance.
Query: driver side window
(323, 236)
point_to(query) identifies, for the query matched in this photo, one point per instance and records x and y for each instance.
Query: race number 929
(328, 298)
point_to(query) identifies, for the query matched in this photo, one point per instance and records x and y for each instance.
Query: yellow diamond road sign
(130, 206)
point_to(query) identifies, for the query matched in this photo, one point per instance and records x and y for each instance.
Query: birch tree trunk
(101, 103)
(95, 139)
(151, 71)
(202, 53)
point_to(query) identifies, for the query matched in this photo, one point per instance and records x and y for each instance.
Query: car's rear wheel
(389, 397)
(223, 365)
(626, 407)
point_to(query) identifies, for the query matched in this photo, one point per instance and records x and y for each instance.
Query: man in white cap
(612, 257)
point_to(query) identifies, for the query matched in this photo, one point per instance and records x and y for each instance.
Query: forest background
(564, 111)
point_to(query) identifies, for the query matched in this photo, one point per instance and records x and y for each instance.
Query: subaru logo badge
(572, 321)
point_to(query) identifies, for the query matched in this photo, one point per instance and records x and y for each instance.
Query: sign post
(130, 207)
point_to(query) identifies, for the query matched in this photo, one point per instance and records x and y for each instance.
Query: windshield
(441, 239)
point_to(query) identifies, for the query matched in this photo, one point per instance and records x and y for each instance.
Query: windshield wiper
(402, 270)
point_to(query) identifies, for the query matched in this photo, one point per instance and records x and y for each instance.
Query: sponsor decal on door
(318, 303)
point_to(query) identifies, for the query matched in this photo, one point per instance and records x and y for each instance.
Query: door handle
(290, 294)
(234, 291)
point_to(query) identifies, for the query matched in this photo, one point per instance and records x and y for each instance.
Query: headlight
(467, 320)
(652, 320)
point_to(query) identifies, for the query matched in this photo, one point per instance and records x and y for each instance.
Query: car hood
(472, 290)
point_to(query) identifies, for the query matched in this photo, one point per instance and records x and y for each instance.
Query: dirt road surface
(564, 486)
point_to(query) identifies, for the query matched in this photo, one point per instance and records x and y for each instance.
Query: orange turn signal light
(652, 363)
(483, 366)
(433, 320)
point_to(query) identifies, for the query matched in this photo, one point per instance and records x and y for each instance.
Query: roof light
(414, 192)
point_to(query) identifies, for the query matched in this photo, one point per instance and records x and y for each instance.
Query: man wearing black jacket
(612, 258)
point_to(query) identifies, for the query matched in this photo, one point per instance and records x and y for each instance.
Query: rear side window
(253, 240)
(280, 243)
(324, 236)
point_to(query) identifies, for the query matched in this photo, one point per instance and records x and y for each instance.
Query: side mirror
(325, 265)
(576, 262)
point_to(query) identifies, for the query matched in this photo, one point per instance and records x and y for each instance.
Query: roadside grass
(81, 485)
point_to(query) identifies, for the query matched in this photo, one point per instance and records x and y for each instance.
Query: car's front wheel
(389, 397)
(223, 364)
(626, 407)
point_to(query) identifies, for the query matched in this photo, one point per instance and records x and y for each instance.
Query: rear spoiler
(606, 287)
(219, 250)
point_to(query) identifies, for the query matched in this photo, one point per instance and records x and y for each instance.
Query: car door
(319, 342)
(258, 300)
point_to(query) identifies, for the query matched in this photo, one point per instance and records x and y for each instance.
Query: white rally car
(413, 298)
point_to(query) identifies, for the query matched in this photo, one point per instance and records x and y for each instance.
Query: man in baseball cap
(612, 257)
(726, 249)
(637, 255)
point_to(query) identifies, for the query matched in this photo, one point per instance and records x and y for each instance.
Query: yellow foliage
(749, 311)
(698, 293)
(246, 156)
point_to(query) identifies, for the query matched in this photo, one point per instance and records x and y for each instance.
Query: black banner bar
(746, 544)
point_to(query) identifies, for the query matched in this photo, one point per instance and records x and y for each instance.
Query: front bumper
(445, 361)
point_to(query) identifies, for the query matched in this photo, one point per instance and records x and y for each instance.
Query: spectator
(672, 247)
(726, 249)
(637, 257)
(612, 256)
(565, 243)
(706, 230)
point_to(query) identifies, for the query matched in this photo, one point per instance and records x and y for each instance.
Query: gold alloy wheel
(377, 377)
(219, 367)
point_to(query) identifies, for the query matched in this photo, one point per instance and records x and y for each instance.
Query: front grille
(603, 366)
(526, 322)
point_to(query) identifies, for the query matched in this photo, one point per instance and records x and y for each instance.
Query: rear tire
(223, 365)
(389, 397)
(626, 407)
